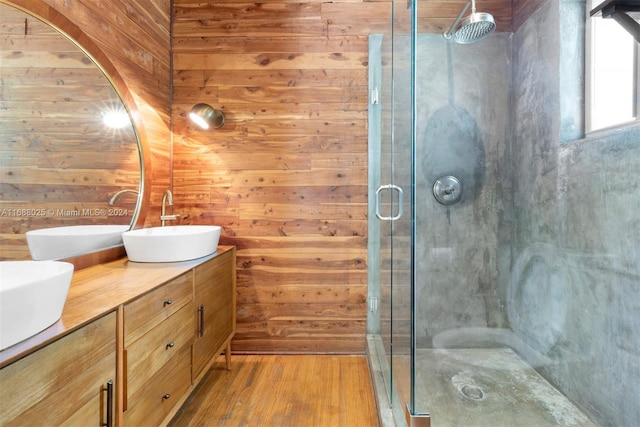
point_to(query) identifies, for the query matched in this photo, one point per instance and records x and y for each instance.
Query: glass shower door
(509, 284)
(391, 178)
(402, 171)
(460, 139)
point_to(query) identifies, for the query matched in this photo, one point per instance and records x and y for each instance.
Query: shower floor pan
(487, 387)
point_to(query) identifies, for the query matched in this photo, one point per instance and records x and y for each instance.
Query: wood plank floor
(282, 391)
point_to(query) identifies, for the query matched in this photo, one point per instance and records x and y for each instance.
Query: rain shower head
(474, 27)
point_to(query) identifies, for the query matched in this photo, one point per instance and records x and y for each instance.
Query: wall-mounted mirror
(67, 144)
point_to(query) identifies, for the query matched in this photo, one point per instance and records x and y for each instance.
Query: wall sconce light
(205, 116)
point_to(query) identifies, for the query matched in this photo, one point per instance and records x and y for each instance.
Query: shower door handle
(400, 193)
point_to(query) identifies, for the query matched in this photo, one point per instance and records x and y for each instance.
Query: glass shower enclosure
(504, 254)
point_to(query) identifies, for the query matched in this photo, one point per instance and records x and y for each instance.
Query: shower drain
(464, 383)
(472, 392)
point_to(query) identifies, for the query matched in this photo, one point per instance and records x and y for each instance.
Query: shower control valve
(447, 190)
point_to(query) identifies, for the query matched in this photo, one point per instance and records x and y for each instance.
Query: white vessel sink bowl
(173, 243)
(32, 296)
(64, 242)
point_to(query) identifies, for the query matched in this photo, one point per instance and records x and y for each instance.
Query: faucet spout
(167, 199)
(116, 196)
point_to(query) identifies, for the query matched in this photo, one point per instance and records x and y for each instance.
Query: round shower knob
(447, 190)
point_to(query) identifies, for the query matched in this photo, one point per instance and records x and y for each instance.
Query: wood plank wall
(135, 37)
(286, 176)
(52, 97)
(436, 16)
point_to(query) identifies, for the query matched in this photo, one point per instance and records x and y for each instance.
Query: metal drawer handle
(170, 345)
(201, 317)
(168, 302)
(166, 396)
(109, 390)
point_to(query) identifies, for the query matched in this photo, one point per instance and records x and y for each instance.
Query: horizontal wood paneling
(287, 174)
(135, 36)
(436, 16)
(52, 100)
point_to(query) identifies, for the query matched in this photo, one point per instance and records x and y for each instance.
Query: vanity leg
(227, 355)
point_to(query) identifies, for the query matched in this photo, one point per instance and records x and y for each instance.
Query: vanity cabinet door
(215, 303)
(64, 383)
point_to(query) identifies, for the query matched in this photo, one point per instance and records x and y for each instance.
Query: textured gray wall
(463, 128)
(576, 202)
(546, 238)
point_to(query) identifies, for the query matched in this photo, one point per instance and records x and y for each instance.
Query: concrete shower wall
(463, 130)
(577, 202)
(546, 238)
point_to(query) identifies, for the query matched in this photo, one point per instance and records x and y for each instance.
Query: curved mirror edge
(128, 106)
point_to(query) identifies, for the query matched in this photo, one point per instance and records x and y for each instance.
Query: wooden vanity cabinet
(158, 334)
(134, 365)
(171, 335)
(65, 382)
(215, 302)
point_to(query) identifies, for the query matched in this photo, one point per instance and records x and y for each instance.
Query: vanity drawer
(157, 397)
(148, 354)
(147, 311)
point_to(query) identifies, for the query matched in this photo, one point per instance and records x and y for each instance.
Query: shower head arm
(447, 34)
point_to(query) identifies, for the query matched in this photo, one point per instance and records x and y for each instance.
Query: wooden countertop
(98, 290)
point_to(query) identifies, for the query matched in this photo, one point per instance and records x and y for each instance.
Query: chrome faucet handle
(164, 218)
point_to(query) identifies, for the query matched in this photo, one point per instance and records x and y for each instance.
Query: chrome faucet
(116, 196)
(167, 198)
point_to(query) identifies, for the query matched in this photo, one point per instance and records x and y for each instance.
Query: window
(612, 74)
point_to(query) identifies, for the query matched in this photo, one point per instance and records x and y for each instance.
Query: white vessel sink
(32, 296)
(172, 243)
(64, 242)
